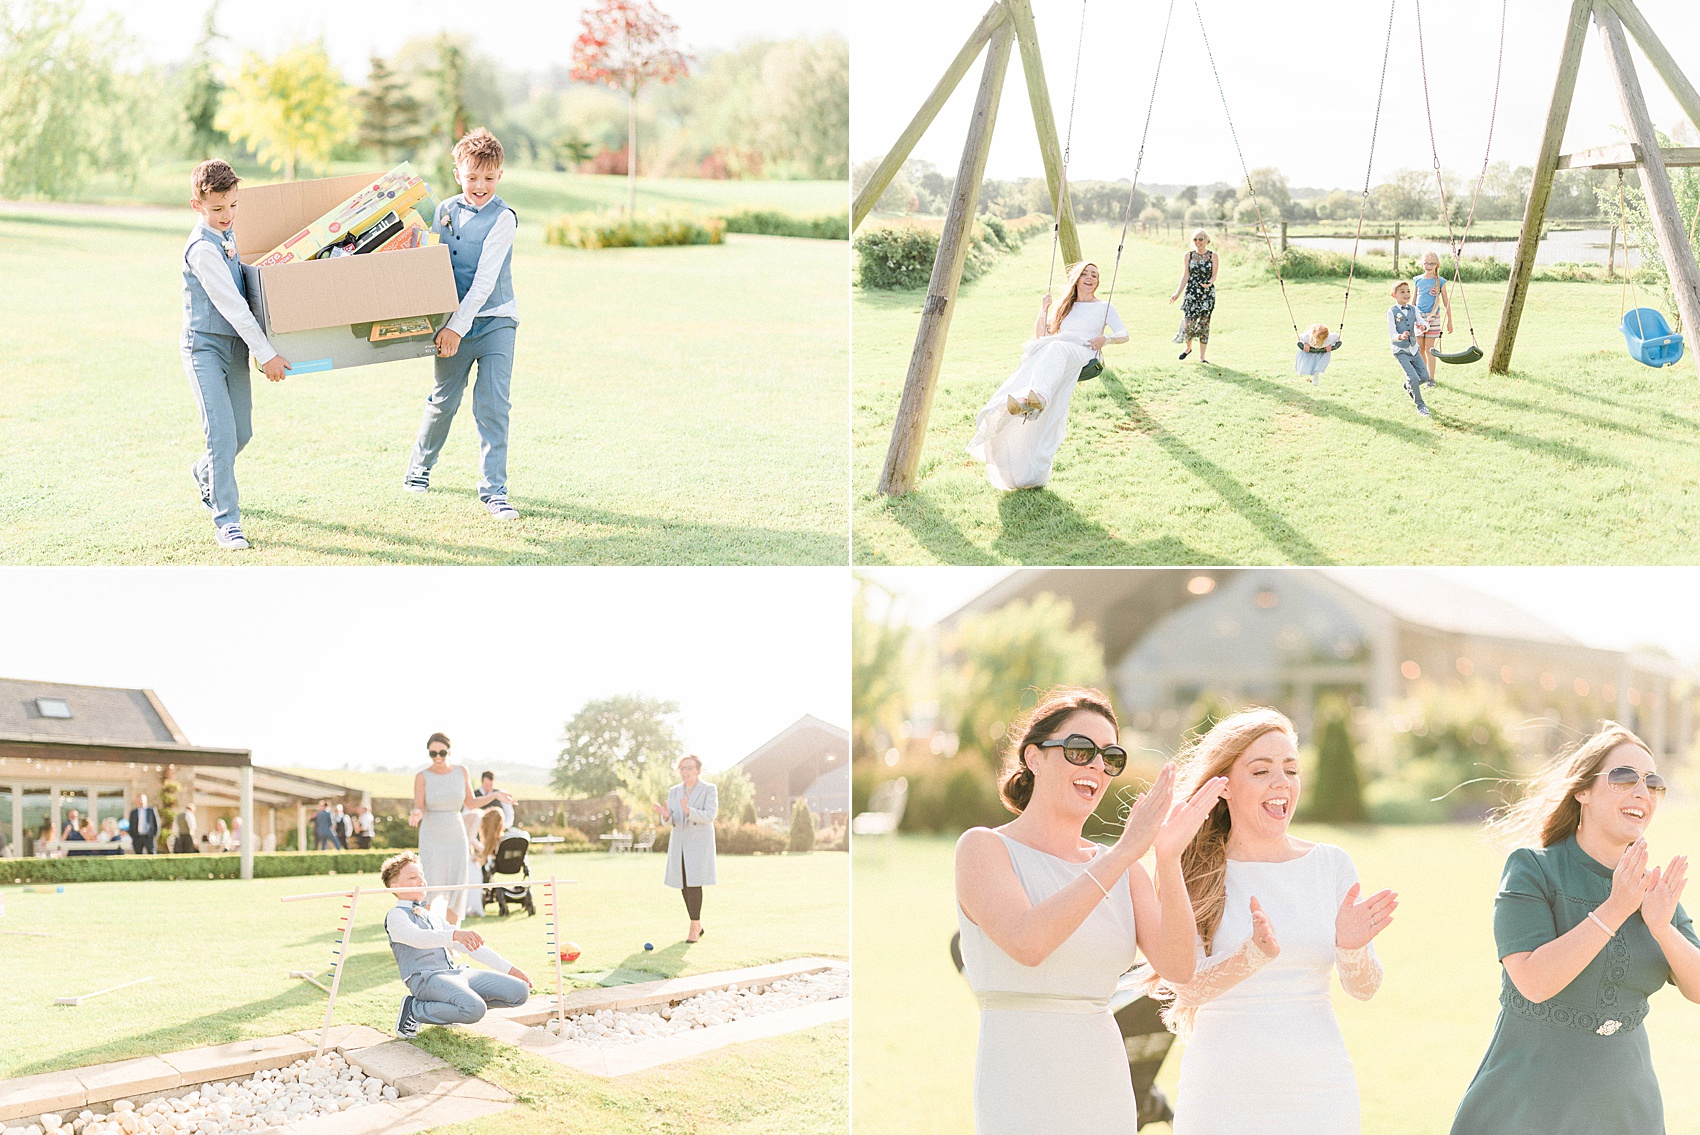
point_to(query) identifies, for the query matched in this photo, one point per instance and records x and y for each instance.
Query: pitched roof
(98, 713)
(805, 737)
(1426, 599)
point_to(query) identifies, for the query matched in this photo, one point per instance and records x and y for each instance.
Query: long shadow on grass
(934, 531)
(89, 221)
(221, 1027)
(665, 541)
(1275, 528)
(1039, 527)
(1675, 421)
(667, 962)
(1524, 405)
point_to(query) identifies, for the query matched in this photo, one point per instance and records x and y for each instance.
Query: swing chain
(1068, 146)
(1369, 169)
(1139, 162)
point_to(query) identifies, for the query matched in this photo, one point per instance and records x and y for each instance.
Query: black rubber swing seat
(1091, 370)
(1472, 354)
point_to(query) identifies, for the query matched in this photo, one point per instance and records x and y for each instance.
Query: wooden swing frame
(1642, 153)
(1006, 23)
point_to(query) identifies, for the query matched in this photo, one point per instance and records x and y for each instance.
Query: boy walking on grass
(218, 333)
(438, 991)
(1402, 332)
(479, 229)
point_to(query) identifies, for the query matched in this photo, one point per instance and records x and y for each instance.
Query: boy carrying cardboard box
(479, 229)
(218, 333)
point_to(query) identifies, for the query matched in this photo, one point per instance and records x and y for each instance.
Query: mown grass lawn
(670, 406)
(219, 953)
(1580, 455)
(1414, 1046)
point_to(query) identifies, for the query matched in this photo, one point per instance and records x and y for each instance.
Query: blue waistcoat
(199, 314)
(415, 963)
(464, 232)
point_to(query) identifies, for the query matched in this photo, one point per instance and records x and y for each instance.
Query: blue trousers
(462, 996)
(1415, 375)
(490, 344)
(218, 375)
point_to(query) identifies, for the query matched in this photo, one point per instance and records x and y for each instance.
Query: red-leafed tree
(628, 44)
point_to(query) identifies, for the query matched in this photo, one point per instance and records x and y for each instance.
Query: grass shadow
(1295, 545)
(666, 962)
(1524, 405)
(1036, 523)
(1675, 421)
(79, 220)
(935, 531)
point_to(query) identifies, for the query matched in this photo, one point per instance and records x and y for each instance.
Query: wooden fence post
(921, 382)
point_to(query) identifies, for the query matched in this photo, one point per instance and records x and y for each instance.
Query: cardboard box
(351, 215)
(319, 314)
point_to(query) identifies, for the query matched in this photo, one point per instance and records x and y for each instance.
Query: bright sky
(528, 35)
(1611, 608)
(1300, 81)
(326, 666)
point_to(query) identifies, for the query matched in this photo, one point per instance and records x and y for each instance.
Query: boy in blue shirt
(1402, 332)
(479, 229)
(218, 333)
(439, 992)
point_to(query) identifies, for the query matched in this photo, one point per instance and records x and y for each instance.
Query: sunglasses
(436, 752)
(1623, 778)
(1079, 749)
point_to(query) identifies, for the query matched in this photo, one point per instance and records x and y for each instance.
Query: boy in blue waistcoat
(1402, 335)
(218, 333)
(439, 992)
(478, 228)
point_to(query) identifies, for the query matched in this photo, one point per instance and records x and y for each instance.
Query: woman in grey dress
(691, 808)
(439, 794)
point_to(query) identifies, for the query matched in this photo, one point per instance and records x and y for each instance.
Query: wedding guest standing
(440, 794)
(691, 807)
(1586, 933)
(1199, 268)
(144, 826)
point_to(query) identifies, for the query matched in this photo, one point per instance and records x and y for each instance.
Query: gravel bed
(611, 1028)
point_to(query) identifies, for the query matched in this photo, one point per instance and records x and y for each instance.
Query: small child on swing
(1316, 350)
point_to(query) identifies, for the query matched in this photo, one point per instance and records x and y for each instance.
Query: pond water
(1583, 246)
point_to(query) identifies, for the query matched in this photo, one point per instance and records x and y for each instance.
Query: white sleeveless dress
(1267, 1055)
(1018, 450)
(443, 847)
(1051, 1060)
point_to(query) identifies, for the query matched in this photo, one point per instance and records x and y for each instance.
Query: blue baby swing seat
(1650, 339)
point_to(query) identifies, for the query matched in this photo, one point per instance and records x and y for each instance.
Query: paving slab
(49, 1091)
(444, 1081)
(237, 1060)
(128, 1078)
(394, 1060)
(347, 1037)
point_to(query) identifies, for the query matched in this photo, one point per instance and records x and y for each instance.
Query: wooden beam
(1540, 189)
(1039, 95)
(1686, 96)
(919, 385)
(1627, 156)
(1655, 181)
(893, 161)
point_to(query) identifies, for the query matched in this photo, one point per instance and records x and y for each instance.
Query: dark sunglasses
(436, 752)
(1623, 778)
(1079, 749)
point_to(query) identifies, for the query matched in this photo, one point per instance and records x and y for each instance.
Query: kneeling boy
(438, 991)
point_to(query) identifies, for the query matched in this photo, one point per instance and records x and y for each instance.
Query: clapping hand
(1658, 904)
(1184, 821)
(1630, 883)
(1262, 932)
(1147, 814)
(1359, 922)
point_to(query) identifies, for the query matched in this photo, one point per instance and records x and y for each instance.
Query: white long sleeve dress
(1051, 1060)
(1267, 1055)
(1018, 450)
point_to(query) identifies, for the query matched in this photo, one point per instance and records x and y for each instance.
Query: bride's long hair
(1060, 311)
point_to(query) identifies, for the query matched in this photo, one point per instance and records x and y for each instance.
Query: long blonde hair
(489, 834)
(1066, 305)
(1549, 812)
(1204, 863)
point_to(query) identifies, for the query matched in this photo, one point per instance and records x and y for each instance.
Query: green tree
(292, 110)
(449, 105)
(879, 674)
(573, 151)
(625, 732)
(999, 660)
(802, 837)
(203, 90)
(1338, 797)
(391, 119)
(737, 795)
(1272, 192)
(67, 110)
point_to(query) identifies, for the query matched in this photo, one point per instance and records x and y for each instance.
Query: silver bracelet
(1101, 886)
(1597, 921)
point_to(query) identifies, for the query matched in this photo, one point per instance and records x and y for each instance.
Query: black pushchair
(509, 860)
(1144, 1035)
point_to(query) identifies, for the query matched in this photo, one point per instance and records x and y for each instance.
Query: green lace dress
(1578, 1062)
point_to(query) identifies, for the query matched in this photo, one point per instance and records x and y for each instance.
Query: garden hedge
(135, 868)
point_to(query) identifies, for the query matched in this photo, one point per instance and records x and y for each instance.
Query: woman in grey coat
(690, 811)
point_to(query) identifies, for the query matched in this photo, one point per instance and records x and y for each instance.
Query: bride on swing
(1020, 429)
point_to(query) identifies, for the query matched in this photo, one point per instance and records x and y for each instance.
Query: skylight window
(53, 707)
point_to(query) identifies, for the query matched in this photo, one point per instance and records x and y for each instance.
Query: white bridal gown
(1018, 450)
(1267, 1056)
(1051, 1060)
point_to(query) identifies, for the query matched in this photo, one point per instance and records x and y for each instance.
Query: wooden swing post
(1039, 97)
(1655, 179)
(893, 161)
(1683, 91)
(919, 385)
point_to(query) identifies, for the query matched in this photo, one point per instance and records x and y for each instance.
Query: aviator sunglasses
(1623, 779)
(1079, 749)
